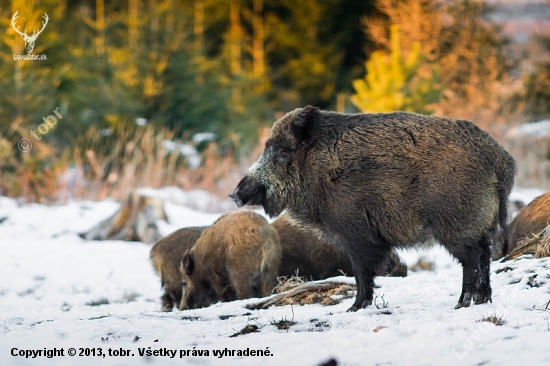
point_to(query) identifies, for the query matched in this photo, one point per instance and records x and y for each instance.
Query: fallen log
(279, 299)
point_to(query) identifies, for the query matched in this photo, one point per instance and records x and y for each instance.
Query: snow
(538, 129)
(198, 199)
(49, 276)
(525, 195)
(187, 150)
(204, 136)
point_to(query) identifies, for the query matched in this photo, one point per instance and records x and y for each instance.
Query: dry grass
(284, 283)
(497, 320)
(98, 302)
(32, 176)
(422, 265)
(249, 328)
(331, 296)
(543, 248)
(537, 245)
(282, 324)
(98, 166)
(323, 297)
(380, 304)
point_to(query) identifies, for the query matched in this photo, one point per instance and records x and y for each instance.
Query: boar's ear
(188, 263)
(305, 124)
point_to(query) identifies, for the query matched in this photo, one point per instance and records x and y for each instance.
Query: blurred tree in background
(537, 90)
(395, 83)
(466, 49)
(202, 65)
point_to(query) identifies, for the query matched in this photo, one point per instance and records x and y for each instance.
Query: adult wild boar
(235, 258)
(166, 257)
(305, 253)
(376, 181)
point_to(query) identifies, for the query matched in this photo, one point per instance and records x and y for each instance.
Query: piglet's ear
(305, 124)
(188, 263)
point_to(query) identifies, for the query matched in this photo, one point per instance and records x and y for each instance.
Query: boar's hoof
(464, 301)
(358, 306)
(482, 298)
(353, 309)
(167, 302)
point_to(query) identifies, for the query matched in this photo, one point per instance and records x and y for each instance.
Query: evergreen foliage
(394, 82)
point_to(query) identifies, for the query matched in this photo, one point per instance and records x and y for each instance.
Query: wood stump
(136, 220)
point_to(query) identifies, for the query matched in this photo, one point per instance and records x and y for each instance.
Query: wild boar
(373, 182)
(303, 252)
(166, 257)
(311, 257)
(530, 220)
(236, 258)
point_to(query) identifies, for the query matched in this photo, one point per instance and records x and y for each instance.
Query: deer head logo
(29, 40)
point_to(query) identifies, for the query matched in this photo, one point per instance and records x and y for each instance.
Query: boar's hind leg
(474, 257)
(483, 285)
(365, 268)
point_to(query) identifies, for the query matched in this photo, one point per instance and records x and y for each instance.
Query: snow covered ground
(50, 278)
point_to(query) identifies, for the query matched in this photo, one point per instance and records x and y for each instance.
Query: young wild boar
(236, 258)
(305, 253)
(530, 220)
(166, 256)
(393, 267)
(371, 182)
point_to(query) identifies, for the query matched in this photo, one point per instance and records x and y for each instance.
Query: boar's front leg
(168, 301)
(365, 261)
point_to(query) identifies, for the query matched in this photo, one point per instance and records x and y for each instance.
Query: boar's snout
(235, 199)
(248, 192)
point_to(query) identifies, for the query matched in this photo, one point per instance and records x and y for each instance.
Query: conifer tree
(394, 82)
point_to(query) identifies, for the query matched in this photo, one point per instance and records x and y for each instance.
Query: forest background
(182, 93)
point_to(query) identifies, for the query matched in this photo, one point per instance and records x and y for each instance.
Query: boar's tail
(504, 188)
(503, 218)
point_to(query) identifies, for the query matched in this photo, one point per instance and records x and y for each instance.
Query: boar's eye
(283, 154)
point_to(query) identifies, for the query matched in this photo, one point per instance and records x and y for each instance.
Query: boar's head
(198, 290)
(275, 179)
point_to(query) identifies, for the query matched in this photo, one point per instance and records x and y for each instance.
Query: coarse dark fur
(372, 182)
(309, 256)
(166, 256)
(530, 220)
(236, 258)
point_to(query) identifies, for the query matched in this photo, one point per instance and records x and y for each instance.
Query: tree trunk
(100, 24)
(258, 43)
(236, 39)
